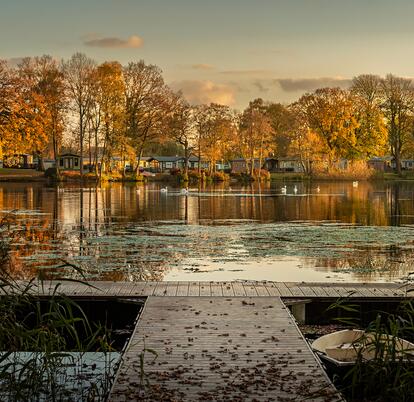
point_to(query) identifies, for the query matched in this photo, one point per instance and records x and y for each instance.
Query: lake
(326, 231)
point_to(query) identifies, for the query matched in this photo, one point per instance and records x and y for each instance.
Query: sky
(225, 51)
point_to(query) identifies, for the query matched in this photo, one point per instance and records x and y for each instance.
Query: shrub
(354, 171)
(194, 175)
(262, 174)
(219, 176)
(182, 177)
(175, 171)
(243, 177)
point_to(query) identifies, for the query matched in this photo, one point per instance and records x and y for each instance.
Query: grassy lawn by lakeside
(20, 174)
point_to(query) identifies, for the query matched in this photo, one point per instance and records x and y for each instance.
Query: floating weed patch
(156, 246)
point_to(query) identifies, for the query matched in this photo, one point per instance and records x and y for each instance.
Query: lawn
(20, 173)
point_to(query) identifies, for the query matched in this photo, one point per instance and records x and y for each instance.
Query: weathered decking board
(223, 289)
(220, 348)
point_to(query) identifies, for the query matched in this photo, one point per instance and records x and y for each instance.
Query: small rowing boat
(342, 348)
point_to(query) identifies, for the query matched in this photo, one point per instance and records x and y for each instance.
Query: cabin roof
(69, 154)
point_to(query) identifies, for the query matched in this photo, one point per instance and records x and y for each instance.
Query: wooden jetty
(239, 288)
(220, 349)
(222, 341)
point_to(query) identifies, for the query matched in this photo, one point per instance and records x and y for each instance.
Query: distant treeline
(103, 110)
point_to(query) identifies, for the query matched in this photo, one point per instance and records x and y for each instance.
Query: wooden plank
(238, 289)
(227, 289)
(296, 291)
(330, 291)
(272, 289)
(171, 288)
(216, 289)
(261, 289)
(283, 289)
(307, 291)
(150, 288)
(205, 345)
(205, 289)
(319, 291)
(138, 289)
(194, 289)
(160, 289)
(250, 288)
(182, 288)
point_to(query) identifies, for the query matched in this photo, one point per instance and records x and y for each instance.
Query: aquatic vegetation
(160, 245)
(388, 375)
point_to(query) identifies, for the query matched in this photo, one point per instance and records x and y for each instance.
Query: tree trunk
(199, 157)
(186, 157)
(56, 154)
(81, 141)
(96, 153)
(398, 162)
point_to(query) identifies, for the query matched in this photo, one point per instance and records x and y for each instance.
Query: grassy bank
(21, 175)
(289, 176)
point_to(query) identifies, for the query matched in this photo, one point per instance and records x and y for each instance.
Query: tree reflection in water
(118, 233)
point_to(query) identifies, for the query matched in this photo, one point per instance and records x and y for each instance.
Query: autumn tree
(371, 133)
(397, 106)
(147, 103)
(24, 129)
(6, 100)
(107, 112)
(78, 72)
(255, 133)
(49, 83)
(181, 128)
(330, 113)
(215, 129)
(303, 142)
(284, 125)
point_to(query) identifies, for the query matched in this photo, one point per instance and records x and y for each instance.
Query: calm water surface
(131, 232)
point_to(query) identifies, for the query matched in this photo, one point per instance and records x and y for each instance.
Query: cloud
(197, 92)
(202, 66)
(310, 84)
(132, 42)
(259, 73)
(261, 86)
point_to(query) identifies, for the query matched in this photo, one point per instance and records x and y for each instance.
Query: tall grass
(46, 343)
(387, 373)
(356, 170)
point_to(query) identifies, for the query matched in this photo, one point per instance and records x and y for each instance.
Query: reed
(45, 343)
(388, 373)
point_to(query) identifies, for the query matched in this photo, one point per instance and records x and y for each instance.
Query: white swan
(318, 189)
(355, 184)
(283, 189)
(164, 189)
(295, 189)
(184, 191)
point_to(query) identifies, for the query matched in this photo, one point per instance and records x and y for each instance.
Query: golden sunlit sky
(225, 51)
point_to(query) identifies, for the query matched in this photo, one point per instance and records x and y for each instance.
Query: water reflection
(324, 231)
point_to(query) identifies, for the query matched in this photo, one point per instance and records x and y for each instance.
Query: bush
(356, 170)
(243, 177)
(182, 177)
(219, 176)
(175, 171)
(194, 176)
(262, 174)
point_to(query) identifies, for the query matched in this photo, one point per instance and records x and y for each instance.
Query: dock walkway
(221, 349)
(239, 288)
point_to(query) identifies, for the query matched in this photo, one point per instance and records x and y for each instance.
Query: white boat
(342, 348)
